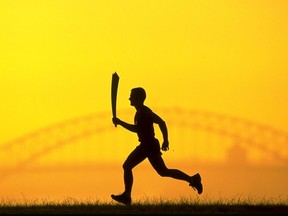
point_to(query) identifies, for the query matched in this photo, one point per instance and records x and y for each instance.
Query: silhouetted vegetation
(147, 206)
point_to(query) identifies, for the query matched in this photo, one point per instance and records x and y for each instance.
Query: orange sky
(57, 58)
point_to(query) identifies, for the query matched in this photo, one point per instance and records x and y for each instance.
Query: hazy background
(57, 58)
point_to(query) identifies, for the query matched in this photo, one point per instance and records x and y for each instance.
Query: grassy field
(71, 206)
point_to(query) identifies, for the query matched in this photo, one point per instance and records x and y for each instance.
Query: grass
(155, 206)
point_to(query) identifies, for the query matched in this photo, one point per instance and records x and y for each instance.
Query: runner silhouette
(149, 147)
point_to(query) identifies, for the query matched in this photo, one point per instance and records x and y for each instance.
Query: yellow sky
(57, 58)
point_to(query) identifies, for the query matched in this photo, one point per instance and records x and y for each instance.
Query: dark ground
(149, 209)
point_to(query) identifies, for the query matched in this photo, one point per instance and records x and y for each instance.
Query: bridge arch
(194, 135)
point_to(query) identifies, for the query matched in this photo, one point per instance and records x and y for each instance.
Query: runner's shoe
(196, 184)
(122, 199)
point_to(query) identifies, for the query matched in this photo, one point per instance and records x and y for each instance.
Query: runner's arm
(163, 128)
(126, 125)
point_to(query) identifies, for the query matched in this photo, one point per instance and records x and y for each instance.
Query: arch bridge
(194, 135)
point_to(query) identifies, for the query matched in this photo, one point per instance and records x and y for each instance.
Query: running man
(149, 147)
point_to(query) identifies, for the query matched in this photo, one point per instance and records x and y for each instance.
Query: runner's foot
(196, 184)
(122, 198)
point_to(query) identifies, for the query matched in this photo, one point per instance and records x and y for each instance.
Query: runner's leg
(135, 157)
(158, 164)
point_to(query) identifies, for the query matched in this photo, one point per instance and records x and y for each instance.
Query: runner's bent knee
(162, 172)
(127, 166)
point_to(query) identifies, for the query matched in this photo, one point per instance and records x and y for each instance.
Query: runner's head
(137, 96)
